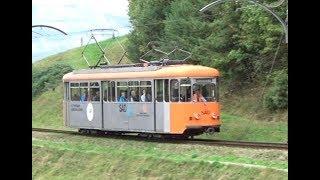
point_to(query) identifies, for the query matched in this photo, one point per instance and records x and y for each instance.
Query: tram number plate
(122, 108)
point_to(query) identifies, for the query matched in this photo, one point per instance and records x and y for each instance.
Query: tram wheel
(150, 136)
(81, 131)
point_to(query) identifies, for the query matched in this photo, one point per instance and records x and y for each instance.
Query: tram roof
(170, 71)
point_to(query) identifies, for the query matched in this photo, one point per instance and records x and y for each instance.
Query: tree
(238, 38)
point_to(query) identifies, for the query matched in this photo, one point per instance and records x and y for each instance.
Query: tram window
(74, 84)
(133, 91)
(174, 90)
(145, 91)
(105, 91)
(122, 92)
(95, 94)
(146, 94)
(159, 94)
(166, 90)
(208, 89)
(133, 83)
(83, 94)
(145, 83)
(121, 84)
(94, 91)
(185, 90)
(208, 92)
(216, 95)
(75, 94)
(66, 91)
(94, 84)
(84, 84)
(111, 91)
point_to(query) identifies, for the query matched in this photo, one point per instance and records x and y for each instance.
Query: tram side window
(74, 92)
(159, 94)
(174, 90)
(133, 91)
(94, 94)
(105, 91)
(166, 90)
(94, 91)
(185, 90)
(216, 95)
(111, 91)
(84, 91)
(122, 91)
(66, 91)
(145, 91)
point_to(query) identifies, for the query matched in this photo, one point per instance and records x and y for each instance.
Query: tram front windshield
(208, 89)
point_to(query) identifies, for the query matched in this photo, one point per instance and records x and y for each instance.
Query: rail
(268, 145)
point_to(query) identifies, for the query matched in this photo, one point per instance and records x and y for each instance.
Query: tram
(154, 99)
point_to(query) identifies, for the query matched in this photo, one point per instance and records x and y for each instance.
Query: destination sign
(203, 80)
(76, 107)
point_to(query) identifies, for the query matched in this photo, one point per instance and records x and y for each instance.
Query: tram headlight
(196, 115)
(214, 116)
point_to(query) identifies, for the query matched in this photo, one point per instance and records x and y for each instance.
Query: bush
(46, 79)
(277, 95)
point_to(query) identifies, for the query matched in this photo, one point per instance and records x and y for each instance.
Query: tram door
(162, 106)
(114, 116)
(140, 106)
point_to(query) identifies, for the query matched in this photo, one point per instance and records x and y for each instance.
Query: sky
(74, 17)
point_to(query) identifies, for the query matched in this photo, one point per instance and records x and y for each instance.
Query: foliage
(149, 13)
(277, 95)
(238, 38)
(48, 79)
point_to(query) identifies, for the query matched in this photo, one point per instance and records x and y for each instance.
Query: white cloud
(74, 16)
(79, 14)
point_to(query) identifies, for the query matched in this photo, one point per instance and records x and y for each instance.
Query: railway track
(283, 146)
(243, 143)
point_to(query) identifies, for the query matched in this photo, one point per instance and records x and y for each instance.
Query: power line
(89, 32)
(50, 27)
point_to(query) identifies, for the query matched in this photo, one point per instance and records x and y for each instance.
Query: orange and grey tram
(178, 99)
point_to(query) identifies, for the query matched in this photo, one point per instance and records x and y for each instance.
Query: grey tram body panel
(141, 116)
(114, 120)
(78, 115)
(159, 116)
(118, 116)
(128, 116)
(163, 117)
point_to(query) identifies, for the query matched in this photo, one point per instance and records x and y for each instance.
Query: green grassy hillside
(73, 57)
(61, 156)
